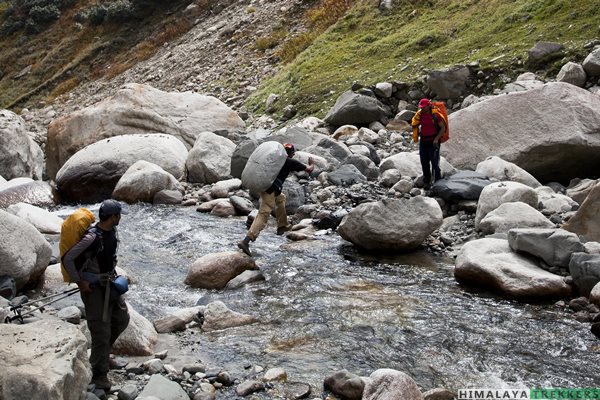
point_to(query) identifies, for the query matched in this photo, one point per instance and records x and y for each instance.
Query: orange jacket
(416, 121)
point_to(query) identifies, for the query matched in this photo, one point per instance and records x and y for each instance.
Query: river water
(325, 307)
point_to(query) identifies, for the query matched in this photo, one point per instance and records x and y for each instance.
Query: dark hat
(111, 207)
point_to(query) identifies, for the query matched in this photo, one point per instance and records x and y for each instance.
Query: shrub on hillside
(32, 14)
(119, 11)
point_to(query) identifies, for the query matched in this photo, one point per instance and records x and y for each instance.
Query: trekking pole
(55, 297)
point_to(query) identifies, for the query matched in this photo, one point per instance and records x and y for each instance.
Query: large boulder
(554, 246)
(498, 193)
(528, 129)
(389, 384)
(213, 271)
(491, 264)
(92, 174)
(138, 339)
(572, 73)
(463, 185)
(409, 164)
(449, 83)
(43, 220)
(36, 193)
(365, 165)
(240, 156)
(209, 161)
(43, 360)
(353, 108)
(19, 151)
(390, 224)
(496, 168)
(24, 252)
(591, 64)
(586, 221)
(585, 270)
(142, 181)
(579, 191)
(137, 109)
(513, 215)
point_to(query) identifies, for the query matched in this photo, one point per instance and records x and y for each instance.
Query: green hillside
(370, 45)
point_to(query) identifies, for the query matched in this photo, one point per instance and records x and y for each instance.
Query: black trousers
(429, 154)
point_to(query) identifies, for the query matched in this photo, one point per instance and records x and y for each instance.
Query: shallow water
(325, 307)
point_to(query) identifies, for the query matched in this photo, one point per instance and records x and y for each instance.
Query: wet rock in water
(491, 264)
(213, 271)
(249, 387)
(439, 394)
(166, 196)
(275, 374)
(217, 316)
(345, 384)
(388, 384)
(242, 206)
(297, 390)
(245, 278)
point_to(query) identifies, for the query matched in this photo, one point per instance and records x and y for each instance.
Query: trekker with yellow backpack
(90, 263)
(430, 123)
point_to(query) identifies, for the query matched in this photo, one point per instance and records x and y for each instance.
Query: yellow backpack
(71, 232)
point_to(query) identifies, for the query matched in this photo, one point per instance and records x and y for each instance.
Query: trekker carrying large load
(273, 197)
(91, 265)
(431, 125)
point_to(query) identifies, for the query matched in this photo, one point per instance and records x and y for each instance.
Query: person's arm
(69, 260)
(416, 121)
(311, 165)
(441, 131)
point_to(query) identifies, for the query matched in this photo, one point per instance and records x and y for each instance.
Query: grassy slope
(369, 45)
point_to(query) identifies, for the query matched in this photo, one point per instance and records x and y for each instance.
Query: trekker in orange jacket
(429, 124)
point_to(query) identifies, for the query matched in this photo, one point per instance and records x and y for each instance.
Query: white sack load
(263, 166)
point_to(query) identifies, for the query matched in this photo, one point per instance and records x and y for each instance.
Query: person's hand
(435, 141)
(84, 286)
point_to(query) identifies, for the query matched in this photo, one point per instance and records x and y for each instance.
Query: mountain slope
(370, 44)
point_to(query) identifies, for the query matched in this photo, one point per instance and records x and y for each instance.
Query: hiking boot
(102, 382)
(245, 247)
(283, 229)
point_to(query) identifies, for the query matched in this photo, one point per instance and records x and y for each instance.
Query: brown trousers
(268, 202)
(104, 334)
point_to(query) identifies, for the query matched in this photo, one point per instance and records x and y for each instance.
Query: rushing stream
(325, 307)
